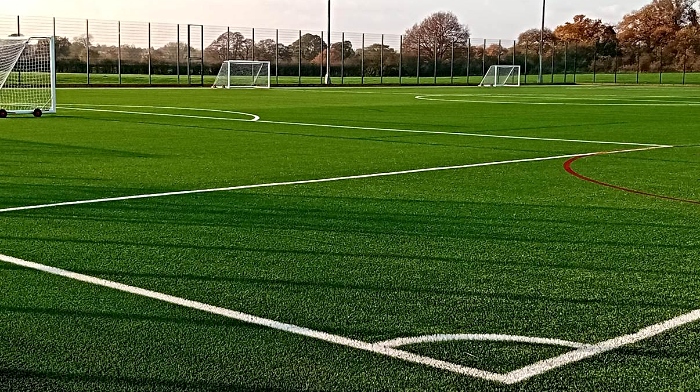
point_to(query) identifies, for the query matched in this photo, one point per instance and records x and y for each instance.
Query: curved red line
(570, 170)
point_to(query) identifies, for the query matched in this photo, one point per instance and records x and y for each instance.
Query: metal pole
(381, 62)
(87, 49)
(228, 43)
(328, 51)
(362, 62)
(418, 64)
(300, 57)
(150, 74)
(452, 63)
(342, 58)
(400, 58)
(469, 57)
(540, 80)
(277, 56)
(252, 50)
(119, 51)
(177, 53)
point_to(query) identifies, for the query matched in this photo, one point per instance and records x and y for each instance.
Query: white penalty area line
(316, 181)
(386, 348)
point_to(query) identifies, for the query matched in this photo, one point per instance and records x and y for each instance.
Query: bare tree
(436, 33)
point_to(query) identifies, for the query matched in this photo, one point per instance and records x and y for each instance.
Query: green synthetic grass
(522, 249)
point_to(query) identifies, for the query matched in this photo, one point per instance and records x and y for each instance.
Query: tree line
(663, 34)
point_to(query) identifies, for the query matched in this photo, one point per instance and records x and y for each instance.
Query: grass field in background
(520, 248)
(548, 78)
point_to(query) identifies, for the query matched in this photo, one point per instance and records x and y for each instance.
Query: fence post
(661, 65)
(342, 58)
(418, 64)
(299, 57)
(527, 52)
(639, 62)
(469, 57)
(575, 59)
(228, 43)
(87, 49)
(119, 50)
(18, 29)
(435, 66)
(322, 56)
(277, 56)
(362, 63)
(400, 59)
(252, 50)
(150, 73)
(483, 60)
(177, 53)
(595, 61)
(554, 52)
(500, 49)
(381, 62)
(566, 61)
(452, 63)
(685, 58)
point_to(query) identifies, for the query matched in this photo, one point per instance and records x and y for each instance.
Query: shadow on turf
(12, 379)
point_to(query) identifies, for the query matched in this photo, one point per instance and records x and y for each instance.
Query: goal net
(502, 75)
(27, 75)
(240, 73)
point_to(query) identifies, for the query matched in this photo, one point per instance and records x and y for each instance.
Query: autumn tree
(309, 45)
(229, 46)
(658, 23)
(436, 34)
(531, 39)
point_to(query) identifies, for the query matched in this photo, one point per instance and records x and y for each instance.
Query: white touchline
(247, 318)
(330, 126)
(303, 182)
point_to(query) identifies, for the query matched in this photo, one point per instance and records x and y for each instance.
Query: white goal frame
(259, 76)
(502, 76)
(27, 84)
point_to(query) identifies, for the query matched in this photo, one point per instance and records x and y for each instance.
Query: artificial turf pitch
(519, 248)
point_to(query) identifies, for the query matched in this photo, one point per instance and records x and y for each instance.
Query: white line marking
(600, 348)
(303, 182)
(516, 376)
(461, 134)
(436, 98)
(329, 126)
(253, 117)
(247, 318)
(480, 337)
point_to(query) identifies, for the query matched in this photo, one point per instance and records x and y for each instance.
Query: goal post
(502, 75)
(27, 75)
(243, 74)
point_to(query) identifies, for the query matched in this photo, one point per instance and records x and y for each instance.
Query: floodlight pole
(327, 80)
(540, 79)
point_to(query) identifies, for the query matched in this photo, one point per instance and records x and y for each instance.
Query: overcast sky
(486, 18)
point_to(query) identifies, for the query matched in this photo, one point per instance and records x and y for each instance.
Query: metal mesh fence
(116, 52)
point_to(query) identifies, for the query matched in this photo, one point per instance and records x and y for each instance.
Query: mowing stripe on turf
(348, 127)
(305, 182)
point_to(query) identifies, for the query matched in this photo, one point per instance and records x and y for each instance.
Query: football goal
(27, 76)
(242, 73)
(502, 75)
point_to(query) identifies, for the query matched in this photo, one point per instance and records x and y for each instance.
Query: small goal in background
(242, 74)
(502, 75)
